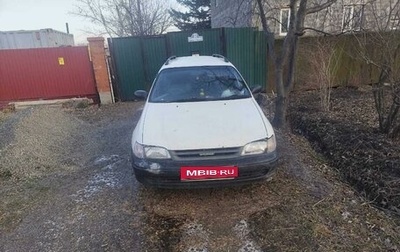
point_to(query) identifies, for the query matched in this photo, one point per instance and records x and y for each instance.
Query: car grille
(206, 154)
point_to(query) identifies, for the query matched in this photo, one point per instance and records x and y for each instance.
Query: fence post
(98, 57)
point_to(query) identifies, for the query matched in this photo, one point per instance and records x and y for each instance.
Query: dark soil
(348, 137)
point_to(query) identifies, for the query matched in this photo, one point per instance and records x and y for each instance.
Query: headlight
(259, 147)
(152, 152)
(271, 144)
(138, 150)
(255, 148)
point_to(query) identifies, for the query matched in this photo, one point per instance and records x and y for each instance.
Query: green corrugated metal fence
(260, 61)
(240, 49)
(136, 60)
(128, 66)
(155, 54)
(178, 43)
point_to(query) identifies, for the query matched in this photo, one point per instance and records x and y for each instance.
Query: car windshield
(188, 84)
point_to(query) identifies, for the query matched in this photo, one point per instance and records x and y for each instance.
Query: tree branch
(322, 32)
(126, 17)
(320, 7)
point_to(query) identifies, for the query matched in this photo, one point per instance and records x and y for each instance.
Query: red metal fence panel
(46, 73)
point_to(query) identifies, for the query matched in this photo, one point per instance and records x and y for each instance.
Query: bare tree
(126, 17)
(238, 12)
(285, 59)
(380, 49)
(324, 62)
(233, 13)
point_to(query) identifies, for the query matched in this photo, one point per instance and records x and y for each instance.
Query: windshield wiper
(234, 97)
(192, 99)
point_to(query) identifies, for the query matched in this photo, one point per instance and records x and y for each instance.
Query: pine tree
(197, 18)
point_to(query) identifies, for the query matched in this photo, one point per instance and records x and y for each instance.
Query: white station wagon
(201, 127)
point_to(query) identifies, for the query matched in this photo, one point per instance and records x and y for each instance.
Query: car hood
(202, 125)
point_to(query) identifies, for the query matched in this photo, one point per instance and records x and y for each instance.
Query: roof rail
(220, 56)
(169, 59)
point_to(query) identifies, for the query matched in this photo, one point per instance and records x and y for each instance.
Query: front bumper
(166, 173)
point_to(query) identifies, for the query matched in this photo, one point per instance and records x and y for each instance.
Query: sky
(41, 14)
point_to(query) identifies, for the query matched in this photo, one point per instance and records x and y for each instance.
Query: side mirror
(256, 89)
(141, 94)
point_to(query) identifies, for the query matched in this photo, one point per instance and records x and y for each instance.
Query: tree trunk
(280, 112)
(140, 17)
(280, 103)
(286, 58)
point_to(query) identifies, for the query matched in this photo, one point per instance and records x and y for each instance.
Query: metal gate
(46, 73)
(136, 60)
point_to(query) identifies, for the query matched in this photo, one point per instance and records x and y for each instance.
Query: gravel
(68, 184)
(36, 142)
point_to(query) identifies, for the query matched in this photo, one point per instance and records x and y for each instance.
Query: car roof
(195, 60)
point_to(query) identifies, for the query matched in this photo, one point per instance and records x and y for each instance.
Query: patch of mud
(270, 226)
(163, 233)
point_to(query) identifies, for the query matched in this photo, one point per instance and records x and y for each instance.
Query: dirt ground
(66, 184)
(348, 136)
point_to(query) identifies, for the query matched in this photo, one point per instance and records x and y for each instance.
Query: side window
(395, 21)
(284, 21)
(353, 16)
